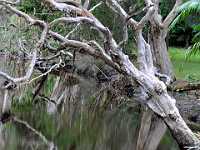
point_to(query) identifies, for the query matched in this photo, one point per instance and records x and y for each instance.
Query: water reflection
(84, 123)
(110, 130)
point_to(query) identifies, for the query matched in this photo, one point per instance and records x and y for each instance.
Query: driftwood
(181, 85)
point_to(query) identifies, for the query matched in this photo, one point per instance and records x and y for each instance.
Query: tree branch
(168, 20)
(64, 7)
(86, 4)
(85, 47)
(28, 73)
(39, 44)
(113, 4)
(157, 97)
(39, 134)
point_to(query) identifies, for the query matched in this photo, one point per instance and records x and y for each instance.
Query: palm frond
(196, 27)
(196, 37)
(185, 10)
(194, 50)
(188, 8)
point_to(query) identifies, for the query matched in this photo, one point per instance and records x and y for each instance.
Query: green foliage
(188, 9)
(165, 7)
(36, 8)
(195, 49)
(28, 6)
(184, 68)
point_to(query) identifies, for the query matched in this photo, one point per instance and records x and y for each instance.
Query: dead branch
(76, 28)
(181, 85)
(132, 14)
(91, 21)
(31, 21)
(39, 44)
(157, 97)
(28, 73)
(96, 6)
(46, 73)
(50, 144)
(86, 4)
(168, 20)
(64, 7)
(85, 47)
(69, 2)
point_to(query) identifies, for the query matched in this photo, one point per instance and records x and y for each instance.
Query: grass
(188, 69)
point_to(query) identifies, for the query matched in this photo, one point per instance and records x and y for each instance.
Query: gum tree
(153, 92)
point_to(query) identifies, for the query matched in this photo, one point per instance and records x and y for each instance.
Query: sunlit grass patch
(185, 68)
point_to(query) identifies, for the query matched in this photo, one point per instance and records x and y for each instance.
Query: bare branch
(113, 4)
(51, 145)
(60, 53)
(28, 73)
(85, 13)
(93, 22)
(85, 47)
(148, 2)
(100, 48)
(172, 14)
(86, 4)
(64, 7)
(39, 44)
(83, 20)
(47, 72)
(76, 28)
(30, 20)
(9, 2)
(96, 6)
(138, 12)
(144, 54)
(146, 18)
(72, 31)
(125, 35)
(69, 2)
(5, 102)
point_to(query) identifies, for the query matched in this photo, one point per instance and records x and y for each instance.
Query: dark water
(83, 124)
(110, 130)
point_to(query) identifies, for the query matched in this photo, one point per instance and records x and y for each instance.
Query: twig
(44, 74)
(97, 5)
(76, 28)
(39, 134)
(28, 73)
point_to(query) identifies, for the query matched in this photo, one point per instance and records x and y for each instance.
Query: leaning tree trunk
(157, 40)
(160, 52)
(154, 92)
(161, 60)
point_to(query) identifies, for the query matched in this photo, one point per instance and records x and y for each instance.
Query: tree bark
(144, 128)
(157, 130)
(154, 92)
(160, 52)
